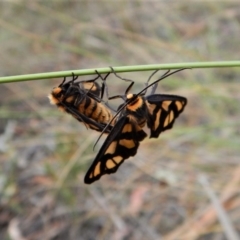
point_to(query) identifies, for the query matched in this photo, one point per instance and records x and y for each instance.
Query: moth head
(130, 96)
(55, 95)
(59, 93)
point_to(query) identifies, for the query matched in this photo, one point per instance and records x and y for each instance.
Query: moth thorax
(135, 103)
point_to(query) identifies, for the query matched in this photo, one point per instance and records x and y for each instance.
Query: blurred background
(164, 191)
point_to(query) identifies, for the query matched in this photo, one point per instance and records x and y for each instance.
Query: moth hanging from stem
(83, 100)
(157, 111)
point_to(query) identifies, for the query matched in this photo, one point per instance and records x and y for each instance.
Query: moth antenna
(155, 73)
(165, 75)
(149, 78)
(155, 85)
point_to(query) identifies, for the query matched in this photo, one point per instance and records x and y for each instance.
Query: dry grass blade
(117, 221)
(194, 227)
(71, 163)
(14, 230)
(222, 215)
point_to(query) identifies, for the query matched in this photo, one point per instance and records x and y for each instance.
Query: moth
(83, 100)
(157, 111)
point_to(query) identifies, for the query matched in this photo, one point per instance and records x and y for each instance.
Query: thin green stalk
(37, 76)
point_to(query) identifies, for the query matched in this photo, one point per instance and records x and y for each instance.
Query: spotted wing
(120, 144)
(163, 110)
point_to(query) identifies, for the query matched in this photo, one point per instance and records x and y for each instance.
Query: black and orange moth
(157, 111)
(83, 100)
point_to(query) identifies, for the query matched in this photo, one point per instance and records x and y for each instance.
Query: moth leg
(124, 79)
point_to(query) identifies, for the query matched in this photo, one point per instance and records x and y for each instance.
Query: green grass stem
(38, 76)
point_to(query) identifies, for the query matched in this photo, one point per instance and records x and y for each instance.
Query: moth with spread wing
(82, 100)
(158, 111)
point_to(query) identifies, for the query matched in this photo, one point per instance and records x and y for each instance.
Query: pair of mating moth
(83, 100)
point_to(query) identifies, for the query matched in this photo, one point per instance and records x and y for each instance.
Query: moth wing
(163, 109)
(120, 144)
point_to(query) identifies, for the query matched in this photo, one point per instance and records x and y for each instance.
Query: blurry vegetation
(45, 153)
